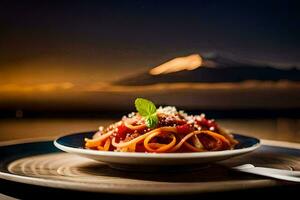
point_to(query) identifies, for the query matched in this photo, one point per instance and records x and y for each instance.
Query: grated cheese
(168, 110)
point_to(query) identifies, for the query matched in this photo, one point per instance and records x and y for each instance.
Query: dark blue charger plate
(41, 163)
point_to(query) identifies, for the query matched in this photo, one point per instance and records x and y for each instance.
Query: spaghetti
(175, 131)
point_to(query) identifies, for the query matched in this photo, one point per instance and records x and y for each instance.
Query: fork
(281, 174)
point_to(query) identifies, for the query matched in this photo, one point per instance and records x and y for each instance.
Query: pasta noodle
(174, 132)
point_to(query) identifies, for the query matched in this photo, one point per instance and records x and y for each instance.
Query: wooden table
(275, 129)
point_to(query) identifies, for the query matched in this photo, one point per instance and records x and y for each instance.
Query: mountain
(214, 69)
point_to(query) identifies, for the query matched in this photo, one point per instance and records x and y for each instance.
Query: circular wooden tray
(40, 163)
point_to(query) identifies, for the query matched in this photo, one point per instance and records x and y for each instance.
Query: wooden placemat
(40, 163)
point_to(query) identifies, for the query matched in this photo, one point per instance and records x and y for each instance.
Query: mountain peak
(210, 68)
(190, 62)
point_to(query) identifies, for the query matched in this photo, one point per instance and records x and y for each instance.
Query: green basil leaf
(145, 107)
(151, 121)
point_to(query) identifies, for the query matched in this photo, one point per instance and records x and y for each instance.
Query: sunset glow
(45, 87)
(190, 62)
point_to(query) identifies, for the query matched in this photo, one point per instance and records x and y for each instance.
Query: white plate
(74, 143)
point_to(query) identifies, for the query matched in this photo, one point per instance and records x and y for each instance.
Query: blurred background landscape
(68, 66)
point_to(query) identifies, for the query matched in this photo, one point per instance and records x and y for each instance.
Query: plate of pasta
(158, 136)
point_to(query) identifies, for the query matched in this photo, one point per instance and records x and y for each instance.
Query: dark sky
(102, 40)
